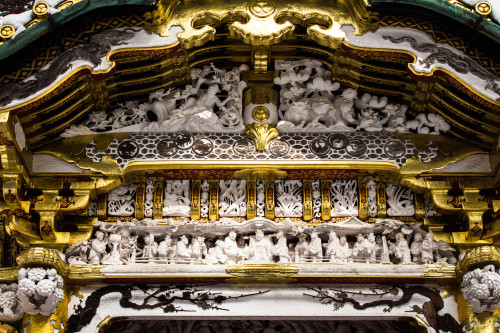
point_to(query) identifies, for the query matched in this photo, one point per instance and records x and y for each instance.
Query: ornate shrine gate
(257, 166)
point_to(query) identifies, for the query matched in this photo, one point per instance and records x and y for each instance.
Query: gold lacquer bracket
(363, 199)
(213, 206)
(140, 195)
(158, 200)
(307, 208)
(251, 199)
(195, 199)
(270, 204)
(38, 256)
(381, 200)
(326, 203)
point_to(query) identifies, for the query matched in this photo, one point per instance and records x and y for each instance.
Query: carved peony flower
(8, 300)
(36, 274)
(45, 287)
(26, 287)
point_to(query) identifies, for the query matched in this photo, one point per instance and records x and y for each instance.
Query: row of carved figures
(258, 247)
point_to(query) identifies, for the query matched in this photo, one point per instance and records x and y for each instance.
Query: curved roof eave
(27, 36)
(462, 15)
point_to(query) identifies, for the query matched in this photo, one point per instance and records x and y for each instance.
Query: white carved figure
(150, 248)
(77, 254)
(301, 248)
(359, 251)
(216, 254)
(399, 201)
(166, 252)
(308, 104)
(10, 308)
(343, 252)
(416, 249)
(232, 198)
(315, 249)
(332, 246)
(260, 248)
(183, 252)
(370, 246)
(98, 248)
(372, 198)
(149, 198)
(288, 198)
(428, 248)
(231, 247)
(400, 249)
(280, 249)
(481, 288)
(39, 290)
(177, 199)
(121, 200)
(198, 249)
(344, 194)
(211, 103)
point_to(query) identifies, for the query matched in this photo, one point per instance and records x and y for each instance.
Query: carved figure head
(232, 235)
(213, 89)
(99, 235)
(343, 240)
(360, 238)
(332, 234)
(417, 237)
(259, 234)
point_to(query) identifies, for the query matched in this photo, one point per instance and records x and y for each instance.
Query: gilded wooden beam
(251, 199)
(308, 205)
(270, 204)
(363, 199)
(140, 191)
(381, 200)
(158, 200)
(195, 199)
(213, 206)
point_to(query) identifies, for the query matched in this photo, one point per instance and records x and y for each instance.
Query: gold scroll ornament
(251, 199)
(269, 207)
(158, 200)
(213, 206)
(307, 206)
(195, 199)
(326, 204)
(381, 200)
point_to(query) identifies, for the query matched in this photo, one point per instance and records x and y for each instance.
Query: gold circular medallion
(7, 31)
(483, 8)
(260, 113)
(262, 8)
(41, 9)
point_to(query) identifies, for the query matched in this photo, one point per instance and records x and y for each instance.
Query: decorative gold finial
(7, 31)
(41, 9)
(261, 132)
(483, 8)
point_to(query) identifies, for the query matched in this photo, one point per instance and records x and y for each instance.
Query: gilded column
(158, 200)
(251, 199)
(195, 199)
(326, 203)
(140, 191)
(307, 205)
(363, 199)
(213, 206)
(270, 204)
(381, 200)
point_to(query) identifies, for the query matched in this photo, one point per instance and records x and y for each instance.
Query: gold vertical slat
(363, 199)
(102, 206)
(419, 206)
(195, 199)
(158, 199)
(381, 200)
(140, 191)
(269, 207)
(213, 206)
(251, 199)
(326, 204)
(308, 205)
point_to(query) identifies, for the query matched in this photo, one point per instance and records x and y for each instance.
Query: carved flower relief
(481, 288)
(10, 308)
(39, 290)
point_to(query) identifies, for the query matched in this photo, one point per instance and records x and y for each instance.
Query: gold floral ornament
(483, 8)
(261, 22)
(7, 31)
(261, 132)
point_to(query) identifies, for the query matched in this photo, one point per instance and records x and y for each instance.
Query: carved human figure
(183, 252)
(231, 247)
(401, 249)
(370, 244)
(216, 254)
(280, 249)
(416, 248)
(359, 249)
(197, 249)
(428, 248)
(260, 248)
(343, 252)
(176, 201)
(97, 248)
(165, 250)
(301, 248)
(150, 248)
(332, 246)
(80, 256)
(315, 249)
